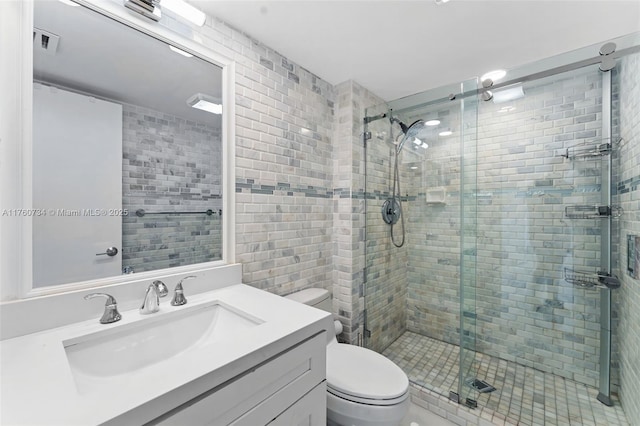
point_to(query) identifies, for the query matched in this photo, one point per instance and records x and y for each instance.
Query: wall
(386, 264)
(628, 197)
(169, 164)
(349, 229)
(284, 170)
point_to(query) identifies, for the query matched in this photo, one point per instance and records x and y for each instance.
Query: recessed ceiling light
(432, 122)
(438, 2)
(494, 75)
(445, 133)
(180, 51)
(414, 167)
(69, 2)
(185, 10)
(205, 103)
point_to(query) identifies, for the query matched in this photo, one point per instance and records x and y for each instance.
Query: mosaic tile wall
(169, 164)
(628, 197)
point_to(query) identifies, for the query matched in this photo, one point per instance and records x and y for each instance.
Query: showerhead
(410, 132)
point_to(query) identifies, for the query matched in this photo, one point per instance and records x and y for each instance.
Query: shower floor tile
(523, 395)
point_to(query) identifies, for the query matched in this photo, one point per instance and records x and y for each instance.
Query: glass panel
(413, 281)
(469, 198)
(533, 319)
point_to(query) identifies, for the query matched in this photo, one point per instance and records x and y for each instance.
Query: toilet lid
(363, 373)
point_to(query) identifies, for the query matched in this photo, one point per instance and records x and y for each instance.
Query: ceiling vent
(44, 41)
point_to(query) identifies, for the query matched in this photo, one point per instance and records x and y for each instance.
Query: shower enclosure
(502, 291)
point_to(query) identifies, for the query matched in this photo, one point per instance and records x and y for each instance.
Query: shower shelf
(590, 279)
(587, 151)
(592, 211)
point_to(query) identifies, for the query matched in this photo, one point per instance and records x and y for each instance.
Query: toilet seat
(364, 376)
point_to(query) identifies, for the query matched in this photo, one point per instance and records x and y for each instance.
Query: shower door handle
(111, 251)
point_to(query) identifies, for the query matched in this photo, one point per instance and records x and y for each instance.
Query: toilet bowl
(363, 387)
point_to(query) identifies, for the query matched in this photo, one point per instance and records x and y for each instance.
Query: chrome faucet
(178, 295)
(151, 303)
(111, 313)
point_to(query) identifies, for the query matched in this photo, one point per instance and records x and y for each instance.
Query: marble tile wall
(628, 197)
(386, 264)
(348, 210)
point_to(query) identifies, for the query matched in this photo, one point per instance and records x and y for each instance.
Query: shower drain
(480, 385)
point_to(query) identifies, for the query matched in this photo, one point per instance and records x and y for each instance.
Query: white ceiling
(397, 48)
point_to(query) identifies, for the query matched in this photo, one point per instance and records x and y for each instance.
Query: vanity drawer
(286, 376)
(310, 410)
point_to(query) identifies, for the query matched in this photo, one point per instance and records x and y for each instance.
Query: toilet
(363, 387)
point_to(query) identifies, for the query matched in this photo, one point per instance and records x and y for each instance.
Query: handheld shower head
(410, 132)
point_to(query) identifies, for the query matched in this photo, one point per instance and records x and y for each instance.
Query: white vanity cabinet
(256, 359)
(288, 388)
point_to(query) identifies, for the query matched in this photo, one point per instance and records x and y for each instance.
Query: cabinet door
(310, 410)
(272, 386)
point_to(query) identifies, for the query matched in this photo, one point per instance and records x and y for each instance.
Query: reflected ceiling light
(205, 103)
(185, 10)
(439, 2)
(413, 167)
(507, 108)
(425, 145)
(432, 122)
(417, 141)
(69, 2)
(508, 94)
(445, 133)
(180, 51)
(494, 75)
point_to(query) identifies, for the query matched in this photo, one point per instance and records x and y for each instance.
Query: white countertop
(38, 387)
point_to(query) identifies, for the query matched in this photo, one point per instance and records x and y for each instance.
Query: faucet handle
(161, 288)
(111, 313)
(178, 295)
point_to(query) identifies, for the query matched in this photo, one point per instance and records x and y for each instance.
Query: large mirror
(127, 150)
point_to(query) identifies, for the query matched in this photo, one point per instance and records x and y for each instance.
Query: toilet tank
(316, 297)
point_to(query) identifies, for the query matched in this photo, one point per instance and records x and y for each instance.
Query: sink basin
(130, 347)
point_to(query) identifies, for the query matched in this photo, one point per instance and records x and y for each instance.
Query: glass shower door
(468, 381)
(420, 283)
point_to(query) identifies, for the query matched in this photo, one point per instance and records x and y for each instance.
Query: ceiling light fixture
(509, 94)
(69, 3)
(439, 2)
(185, 10)
(494, 75)
(180, 51)
(205, 103)
(425, 145)
(445, 133)
(432, 122)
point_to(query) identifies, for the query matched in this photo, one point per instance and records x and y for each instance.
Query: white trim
(17, 189)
